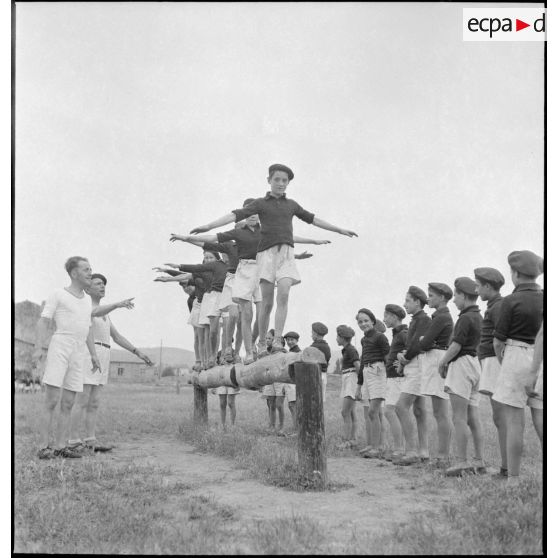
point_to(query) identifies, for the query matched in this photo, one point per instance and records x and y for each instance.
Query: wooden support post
(200, 405)
(310, 419)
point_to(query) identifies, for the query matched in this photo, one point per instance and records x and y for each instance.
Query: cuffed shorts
(278, 263)
(349, 384)
(432, 384)
(246, 285)
(225, 300)
(276, 389)
(374, 376)
(490, 371)
(224, 390)
(64, 363)
(290, 392)
(463, 378)
(411, 380)
(97, 378)
(393, 390)
(209, 307)
(194, 318)
(514, 374)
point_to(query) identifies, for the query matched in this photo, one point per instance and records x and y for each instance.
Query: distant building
(132, 369)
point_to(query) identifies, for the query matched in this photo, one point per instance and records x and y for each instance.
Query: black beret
(345, 331)
(368, 313)
(292, 334)
(417, 293)
(319, 328)
(379, 326)
(279, 167)
(396, 310)
(466, 285)
(99, 276)
(490, 275)
(526, 262)
(441, 288)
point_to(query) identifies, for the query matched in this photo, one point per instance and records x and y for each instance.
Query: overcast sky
(134, 121)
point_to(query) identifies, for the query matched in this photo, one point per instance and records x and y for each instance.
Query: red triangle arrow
(519, 25)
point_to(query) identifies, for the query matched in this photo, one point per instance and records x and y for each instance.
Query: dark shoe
(45, 453)
(67, 453)
(459, 470)
(480, 467)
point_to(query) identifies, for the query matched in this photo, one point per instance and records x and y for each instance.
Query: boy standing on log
(275, 258)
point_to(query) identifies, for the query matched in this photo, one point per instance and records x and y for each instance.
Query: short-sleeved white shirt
(71, 314)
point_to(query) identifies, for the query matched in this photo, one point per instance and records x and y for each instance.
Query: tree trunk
(310, 419)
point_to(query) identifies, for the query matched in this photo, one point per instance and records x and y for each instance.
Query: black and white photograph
(278, 278)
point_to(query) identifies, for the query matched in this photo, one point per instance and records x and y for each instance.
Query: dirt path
(381, 495)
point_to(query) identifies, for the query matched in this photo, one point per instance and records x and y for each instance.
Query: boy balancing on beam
(275, 255)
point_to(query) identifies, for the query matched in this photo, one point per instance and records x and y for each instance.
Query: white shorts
(463, 378)
(277, 263)
(224, 390)
(246, 285)
(349, 384)
(538, 402)
(393, 390)
(431, 383)
(97, 378)
(64, 363)
(290, 392)
(209, 307)
(225, 300)
(276, 389)
(490, 371)
(375, 380)
(411, 379)
(514, 374)
(193, 320)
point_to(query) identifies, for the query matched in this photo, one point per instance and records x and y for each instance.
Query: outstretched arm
(195, 240)
(302, 240)
(119, 339)
(222, 221)
(333, 228)
(103, 310)
(178, 278)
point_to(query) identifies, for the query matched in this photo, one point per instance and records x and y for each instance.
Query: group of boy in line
(243, 269)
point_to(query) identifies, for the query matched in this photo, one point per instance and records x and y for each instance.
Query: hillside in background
(172, 356)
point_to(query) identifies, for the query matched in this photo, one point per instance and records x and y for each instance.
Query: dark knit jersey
(375, 348)
(397, 345)
(324, 347)
(467, 331)
(486, 347)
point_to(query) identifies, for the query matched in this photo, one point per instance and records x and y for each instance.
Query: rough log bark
(310, 419)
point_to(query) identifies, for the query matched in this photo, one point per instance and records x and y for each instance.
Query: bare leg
(347, 414)
(283, 288)
(78, 413)
(384, 430)
(223, 408)
(367, 425)
(421, 416)
(267, 289)
(256, 326)
(213, 337)
(459, 407)
(499, 418)
(515, 425)
(245, 322)
(66, 404)
(226, 341)
(231, 401)
(473, 421)
(292, 409)
(440, 409)
(395, 427)
(271, 410)
(374, 414)
(402, 409)
(206, 345)
(92, 411)
(354, 423)
(280, 410)
(196, 344)
(52, 396)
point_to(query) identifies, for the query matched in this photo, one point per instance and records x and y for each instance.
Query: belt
(347, 370)
(440, 348)
(102, 344)
(373, 362)
(516, 343)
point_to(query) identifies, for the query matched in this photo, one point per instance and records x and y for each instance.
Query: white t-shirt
(71, 314)
(101, 330)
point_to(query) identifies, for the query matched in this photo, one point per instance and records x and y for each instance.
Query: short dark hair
(369, 313)
(216, 254)
(467, 296)
(73, 262)
(489, 283)
(99, 276)
(422, 303)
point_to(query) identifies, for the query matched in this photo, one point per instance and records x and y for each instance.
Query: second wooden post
(310, 418)
(200, 405)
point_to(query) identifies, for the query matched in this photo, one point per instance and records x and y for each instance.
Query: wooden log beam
(310, 419)
(214, 377)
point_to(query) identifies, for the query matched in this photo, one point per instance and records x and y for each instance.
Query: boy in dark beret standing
(291, 339)
(319, 330)
(275, 258)
(489, 282)
(521, 316)
(461, 369)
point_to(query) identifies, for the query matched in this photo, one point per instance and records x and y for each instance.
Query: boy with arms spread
(411, 387)
(461, 369)
(434, 344)
(275, 258)
(521, 316)
(489, 282)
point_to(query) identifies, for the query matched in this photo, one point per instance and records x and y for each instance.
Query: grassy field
(99, 505)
